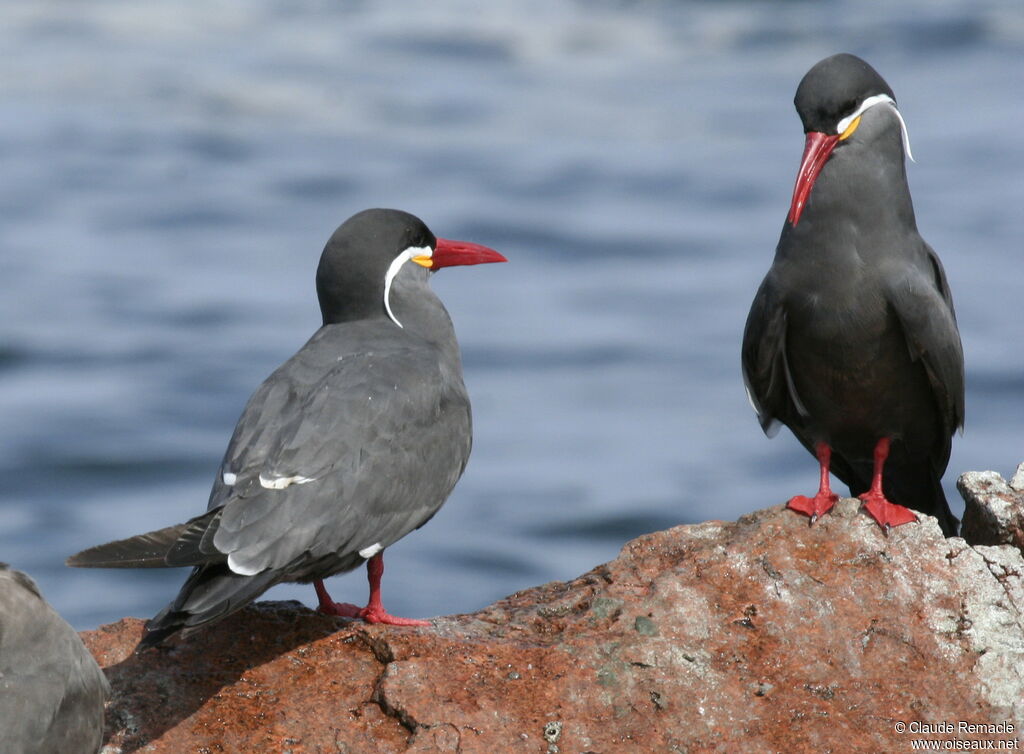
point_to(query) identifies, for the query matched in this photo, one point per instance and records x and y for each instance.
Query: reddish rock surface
(763, 635)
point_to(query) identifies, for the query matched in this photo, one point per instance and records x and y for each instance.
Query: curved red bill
(817, 148)
(449, 253)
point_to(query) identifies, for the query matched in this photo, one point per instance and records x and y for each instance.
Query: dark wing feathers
(764, 358)
(388, 419)
(248, 443)
(923, 303)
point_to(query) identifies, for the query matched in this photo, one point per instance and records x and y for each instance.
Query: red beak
(451, 253)
(816, 151)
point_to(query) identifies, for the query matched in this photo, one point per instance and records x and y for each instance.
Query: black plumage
(852, 339)
(351, 444)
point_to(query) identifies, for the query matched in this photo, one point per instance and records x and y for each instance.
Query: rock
(763, 635)
(1017, 482)
(994, 513)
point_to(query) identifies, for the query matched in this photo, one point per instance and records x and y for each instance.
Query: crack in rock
(1007, 577)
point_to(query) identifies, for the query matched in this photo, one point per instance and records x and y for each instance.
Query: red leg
(886, 514)
(374, 611)
(330, 607)
(821, 503)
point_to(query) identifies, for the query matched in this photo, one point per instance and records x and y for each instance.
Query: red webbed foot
(377, 614)
(886, 514)
(822, 502)
(374, 611)
(370, 614)
(814, 507)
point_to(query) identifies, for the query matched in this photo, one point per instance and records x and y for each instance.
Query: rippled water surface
(170, 174)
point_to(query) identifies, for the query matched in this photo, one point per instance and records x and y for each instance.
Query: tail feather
(173, 546)
(141, 551)
(949, 523)
(195, 545)
(212, 591)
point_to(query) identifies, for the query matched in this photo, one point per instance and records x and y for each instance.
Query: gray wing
(332, 459)
(766, 375)
(921, 298)
(51, 689)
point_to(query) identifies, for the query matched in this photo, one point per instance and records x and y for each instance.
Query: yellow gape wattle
(850, 129)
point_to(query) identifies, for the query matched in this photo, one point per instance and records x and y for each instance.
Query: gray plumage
(52, 691)
(852, 336)
(352, 443)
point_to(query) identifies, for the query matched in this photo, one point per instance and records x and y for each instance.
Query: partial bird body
(52, 692)
(393, 392)
(852, 340)
(355, 441)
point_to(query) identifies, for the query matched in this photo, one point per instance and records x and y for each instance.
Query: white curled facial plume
(871, 102)
(396, 265)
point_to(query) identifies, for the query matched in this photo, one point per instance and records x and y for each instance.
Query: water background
(170, 172)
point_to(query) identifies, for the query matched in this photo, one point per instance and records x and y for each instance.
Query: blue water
(170, 173)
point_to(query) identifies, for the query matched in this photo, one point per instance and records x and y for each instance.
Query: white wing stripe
(279, 483)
